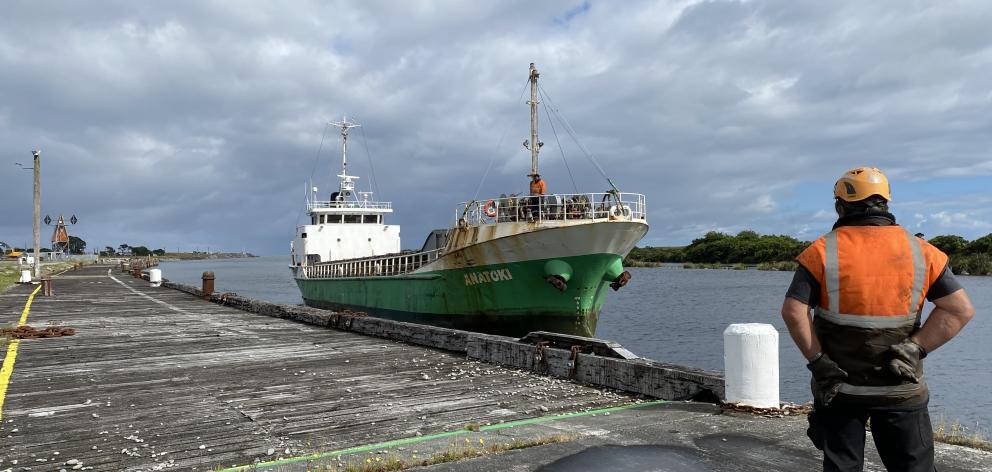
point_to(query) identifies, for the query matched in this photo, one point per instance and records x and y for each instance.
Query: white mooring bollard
(750, 361)
(155, 277)
(25, 277)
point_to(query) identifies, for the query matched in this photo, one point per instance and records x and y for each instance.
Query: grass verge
(471, 451)
(10, 273)
(8, 276)
(954, 433)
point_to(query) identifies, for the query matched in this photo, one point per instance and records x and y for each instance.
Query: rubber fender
(558, 267)
(613, 269)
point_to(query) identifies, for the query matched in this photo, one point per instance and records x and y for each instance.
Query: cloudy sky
(195, 125)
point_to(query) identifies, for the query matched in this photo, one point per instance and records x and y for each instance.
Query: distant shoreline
(780, 266)
(200, 256)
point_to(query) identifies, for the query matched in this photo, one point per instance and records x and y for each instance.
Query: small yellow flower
(481, 441)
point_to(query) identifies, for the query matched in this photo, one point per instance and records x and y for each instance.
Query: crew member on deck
(537, 189)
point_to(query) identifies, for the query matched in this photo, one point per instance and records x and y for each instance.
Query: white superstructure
(349, 225)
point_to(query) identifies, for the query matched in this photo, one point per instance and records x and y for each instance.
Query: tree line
(967, 257)
(128, 250)
(749, 247)
(746, 247)
(76, 246)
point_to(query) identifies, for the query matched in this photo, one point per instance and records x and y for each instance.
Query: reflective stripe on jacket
(873, 283)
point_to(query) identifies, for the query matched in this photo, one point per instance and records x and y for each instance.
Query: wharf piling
(46, 286)
(631, 375)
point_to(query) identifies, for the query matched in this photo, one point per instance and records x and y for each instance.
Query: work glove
(827, 376)
(815, 429)
(905, 359)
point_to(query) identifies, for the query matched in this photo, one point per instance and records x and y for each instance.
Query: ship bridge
(361, 211)
(348, 225)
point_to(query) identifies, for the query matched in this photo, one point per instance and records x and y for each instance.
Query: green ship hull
(496, 283)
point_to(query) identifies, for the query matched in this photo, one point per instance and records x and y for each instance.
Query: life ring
(490, 209)
(619, 212)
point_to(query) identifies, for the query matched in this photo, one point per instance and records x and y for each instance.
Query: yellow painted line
(8, 362)
(27, 307)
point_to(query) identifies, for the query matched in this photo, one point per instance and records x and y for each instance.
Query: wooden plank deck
(156, 379)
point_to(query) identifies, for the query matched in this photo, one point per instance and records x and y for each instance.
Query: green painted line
(349, 451)
(429, 437)
(545, 419)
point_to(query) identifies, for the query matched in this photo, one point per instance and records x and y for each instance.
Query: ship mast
(347, 185)
(345, 125)
(535, 145)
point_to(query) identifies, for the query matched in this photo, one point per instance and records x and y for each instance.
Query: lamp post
(37, 211)
(37, 214)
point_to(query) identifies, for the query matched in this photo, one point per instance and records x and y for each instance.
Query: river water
(678, 316)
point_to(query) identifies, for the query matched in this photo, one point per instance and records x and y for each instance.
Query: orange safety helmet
(860, 183)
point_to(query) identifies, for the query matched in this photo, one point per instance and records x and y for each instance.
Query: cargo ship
(505, 265)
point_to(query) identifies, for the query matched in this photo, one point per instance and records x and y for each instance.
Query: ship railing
(378, 266)
(356, 205)
(608, 206)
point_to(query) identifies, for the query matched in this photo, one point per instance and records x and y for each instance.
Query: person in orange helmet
(537, 187)
(537, 190)
(866, 282)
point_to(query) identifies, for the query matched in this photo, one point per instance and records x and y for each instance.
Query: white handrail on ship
(378, 266)
(361, 205)
(606, 206)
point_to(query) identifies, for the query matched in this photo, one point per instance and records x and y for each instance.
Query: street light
(37, 210)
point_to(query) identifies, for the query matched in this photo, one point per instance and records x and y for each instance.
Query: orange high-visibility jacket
(537, 188)
(873, 283)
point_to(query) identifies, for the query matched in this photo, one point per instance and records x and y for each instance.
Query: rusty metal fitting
(620, 281)
(46, 286)
(539, 352)
(208, 284)
(557, 282)
(573, 360)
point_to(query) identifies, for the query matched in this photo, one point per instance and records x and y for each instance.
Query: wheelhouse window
(371, 218)
(352, 218)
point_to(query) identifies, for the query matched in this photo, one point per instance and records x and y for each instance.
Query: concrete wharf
(159, 379)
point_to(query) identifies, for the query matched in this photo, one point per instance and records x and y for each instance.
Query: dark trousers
(903, 438)
(533, 203)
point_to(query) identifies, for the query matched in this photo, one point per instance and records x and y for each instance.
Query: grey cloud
(198, 122)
